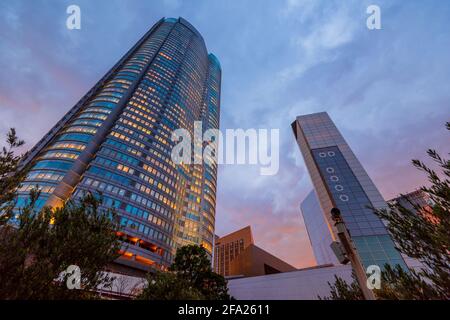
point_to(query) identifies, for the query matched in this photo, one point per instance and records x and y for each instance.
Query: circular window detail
(334, 178)
(338, 187)
(322, 154)
(343, 197)
(331, 153)
(330, 170)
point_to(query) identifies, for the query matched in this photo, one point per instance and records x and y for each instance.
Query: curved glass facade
(117, 141)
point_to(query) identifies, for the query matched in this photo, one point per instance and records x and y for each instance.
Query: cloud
(321, 31)
(300, 9)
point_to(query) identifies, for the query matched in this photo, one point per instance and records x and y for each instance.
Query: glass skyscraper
(117, 140)
(318, 232)
(340, 181)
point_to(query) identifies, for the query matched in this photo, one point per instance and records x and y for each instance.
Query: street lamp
(346, 252)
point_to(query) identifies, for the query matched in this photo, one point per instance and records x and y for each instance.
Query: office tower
(237, 255)
(318, 232)
(228, 247)
(340, 181)
(416, 201)
(117, 140)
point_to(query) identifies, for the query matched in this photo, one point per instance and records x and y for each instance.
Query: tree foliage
(190, 277)
(10, 174)
(191, 261)
(397, 284)
(423, 234)
(341, 290)
(37, 246)
(169, 286)
(35, 252)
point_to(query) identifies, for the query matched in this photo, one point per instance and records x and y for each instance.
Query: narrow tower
(341, 182)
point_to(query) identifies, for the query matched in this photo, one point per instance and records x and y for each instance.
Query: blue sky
(387, 90)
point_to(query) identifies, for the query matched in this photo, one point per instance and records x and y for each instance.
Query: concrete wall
(306, 284)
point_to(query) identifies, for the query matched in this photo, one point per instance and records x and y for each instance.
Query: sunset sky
(387, 90)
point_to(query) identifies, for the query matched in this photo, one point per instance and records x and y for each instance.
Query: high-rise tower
(341, 182)
(117, 140)
(318, 232)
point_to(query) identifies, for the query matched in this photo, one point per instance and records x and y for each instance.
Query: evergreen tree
(169, 286)
(10, 175)
(423, 234)
(35, 253)
(38, 246)
(190, 277)
(341, 290)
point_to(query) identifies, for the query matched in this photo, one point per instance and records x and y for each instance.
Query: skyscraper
(318, 232)
(117, 140)
(340, 181)
(417, 202)
(229, 247)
